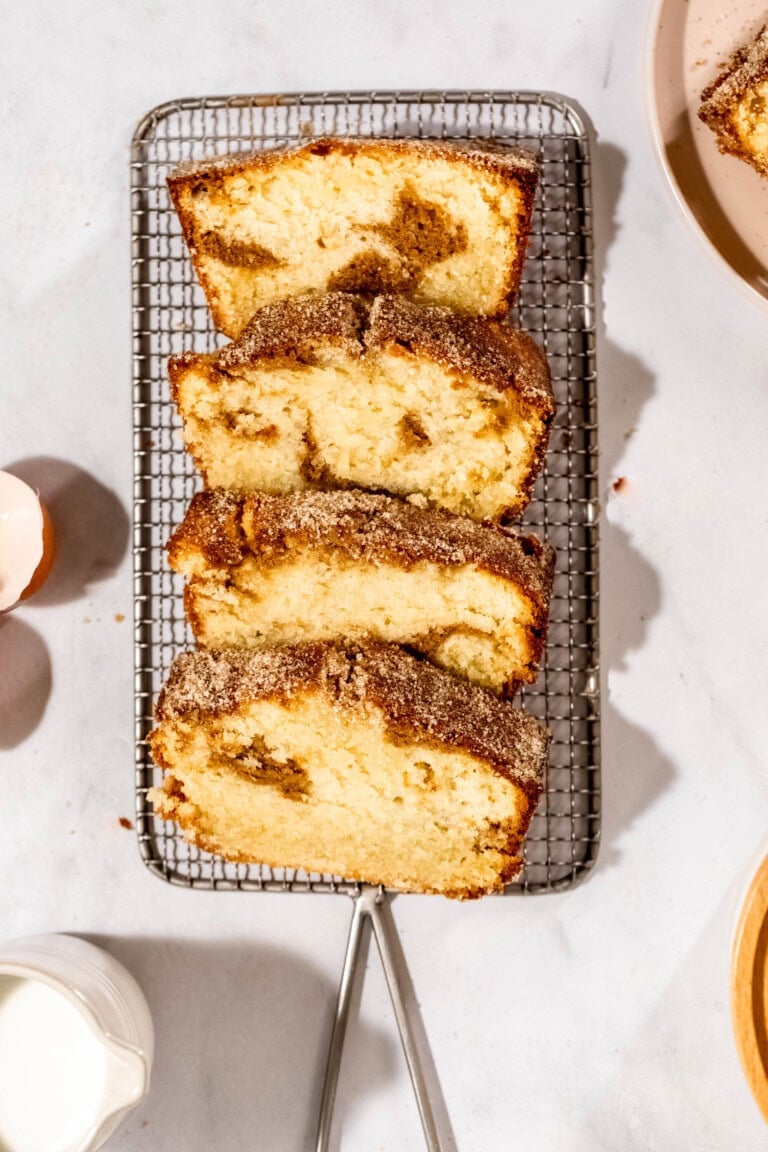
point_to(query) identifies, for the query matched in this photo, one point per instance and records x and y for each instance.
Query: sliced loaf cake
(265, 569)
(735, 104)
(444, 222)
(326, 391)
(362, 762)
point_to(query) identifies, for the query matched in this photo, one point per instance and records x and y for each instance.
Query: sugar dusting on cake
(419, 702)
(365, 526)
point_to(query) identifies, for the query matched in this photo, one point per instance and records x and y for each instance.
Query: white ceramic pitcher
(112, 1005)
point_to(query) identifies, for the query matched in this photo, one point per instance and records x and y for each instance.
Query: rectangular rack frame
(556, 306)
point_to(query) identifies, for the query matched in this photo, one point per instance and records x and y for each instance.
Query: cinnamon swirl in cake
(443, 222)
(362, 762)
(327, 391)
(265, 569)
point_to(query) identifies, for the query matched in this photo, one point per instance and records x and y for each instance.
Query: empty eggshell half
(26, 541)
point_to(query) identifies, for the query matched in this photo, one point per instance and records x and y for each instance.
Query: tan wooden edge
(749, 987)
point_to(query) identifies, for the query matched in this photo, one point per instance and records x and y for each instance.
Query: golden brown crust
(213, 526)
(293, 333)
(746, 68)
(485, 154)
(493, 353)
(418, 701)
(216, 682)
(293, 327)
(498, 355)
(509, 163)
(224, 527)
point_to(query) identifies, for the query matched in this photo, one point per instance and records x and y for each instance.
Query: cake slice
(328, 391)
(444, 222)
(735, 105)
(266, 570)
(362, 762)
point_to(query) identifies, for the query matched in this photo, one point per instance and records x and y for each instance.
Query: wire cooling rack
(555, 305)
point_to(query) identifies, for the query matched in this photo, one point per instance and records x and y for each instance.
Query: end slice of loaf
(326, 391)
(445, 223)
(310, 566)
(360, 762)
(735, 105)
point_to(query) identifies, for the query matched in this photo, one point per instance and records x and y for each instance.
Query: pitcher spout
(126, 1082)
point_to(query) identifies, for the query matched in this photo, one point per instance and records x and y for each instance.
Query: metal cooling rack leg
(340, 1019)
(381, 930)
(367, 905)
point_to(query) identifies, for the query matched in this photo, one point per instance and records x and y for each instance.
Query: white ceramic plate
(724, 199)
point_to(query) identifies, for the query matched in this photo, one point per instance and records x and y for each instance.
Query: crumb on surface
(619, 483)
(124, 822)
(119, 617)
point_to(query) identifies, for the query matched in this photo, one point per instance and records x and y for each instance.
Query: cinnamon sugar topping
(296, 324)
(484, 154)
(500, 356)
(223, 526)
(492, 352)
(419, 702)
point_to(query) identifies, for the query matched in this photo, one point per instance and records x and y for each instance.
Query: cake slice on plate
(735, 105)
(362, 762)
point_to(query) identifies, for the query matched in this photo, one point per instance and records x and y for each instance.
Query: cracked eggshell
(26, 541)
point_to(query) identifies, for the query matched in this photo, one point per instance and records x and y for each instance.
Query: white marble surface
(594, 1020)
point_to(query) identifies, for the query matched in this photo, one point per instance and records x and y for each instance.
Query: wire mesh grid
(555, 305)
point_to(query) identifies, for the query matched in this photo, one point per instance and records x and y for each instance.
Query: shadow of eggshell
(25, 680)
